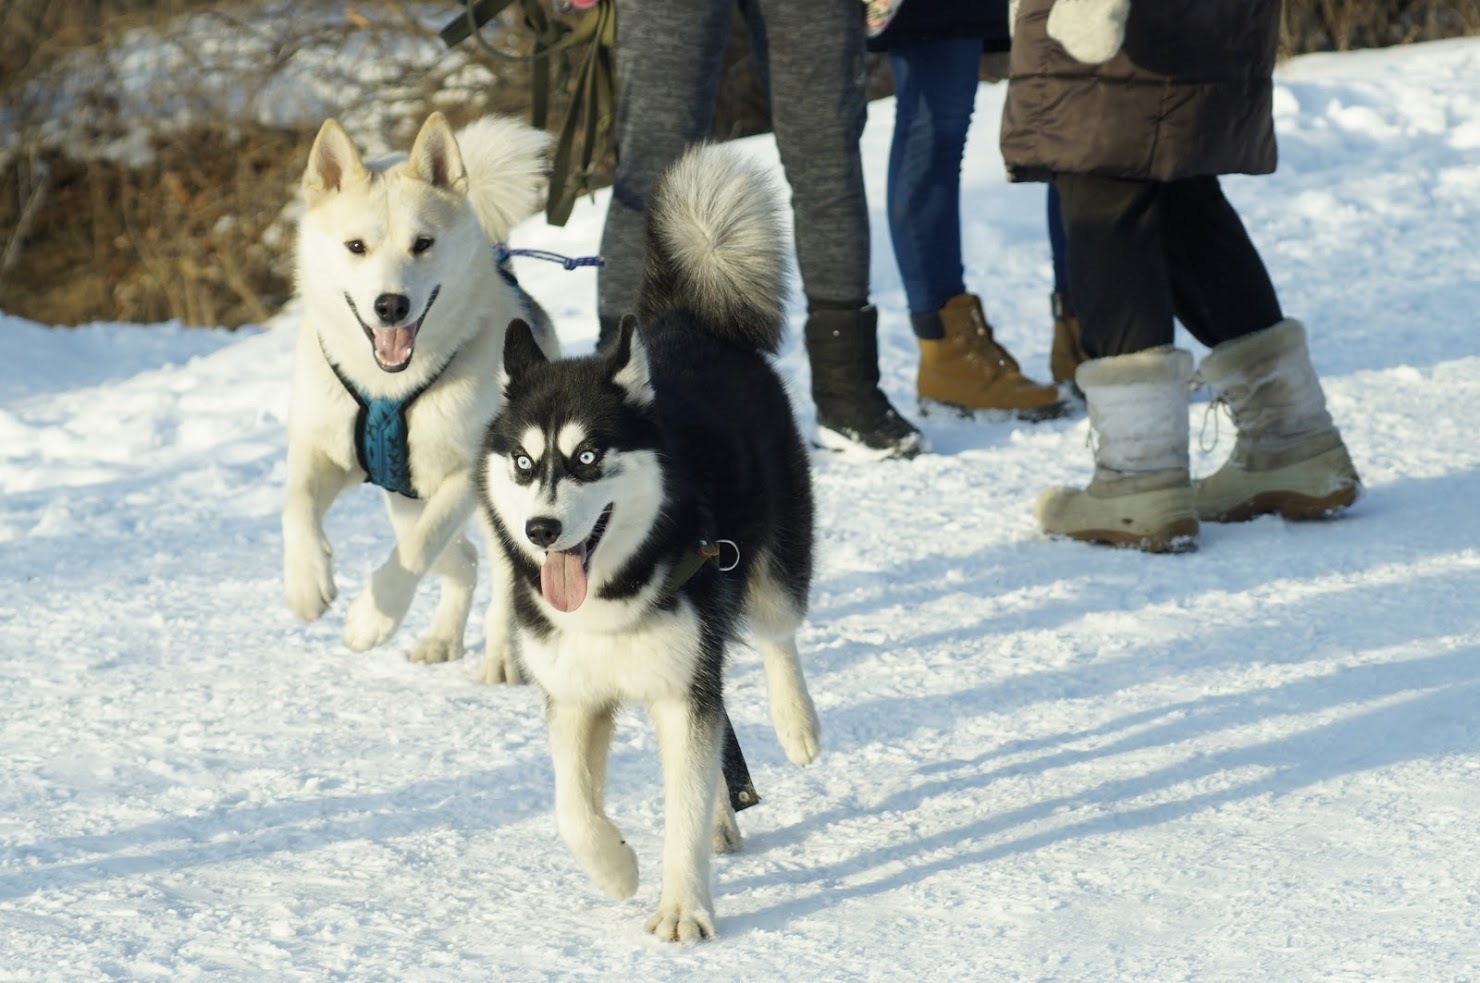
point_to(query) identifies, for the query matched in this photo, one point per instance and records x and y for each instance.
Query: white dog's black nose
(392, 308)
(541, 531)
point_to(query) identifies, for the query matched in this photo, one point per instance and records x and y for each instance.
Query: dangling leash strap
(502, 254)
(738, 783)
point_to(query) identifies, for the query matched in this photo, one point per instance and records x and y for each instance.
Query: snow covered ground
(1043, 760)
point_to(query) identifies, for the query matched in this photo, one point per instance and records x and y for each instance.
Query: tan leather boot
(968, 370)
(1066, 355)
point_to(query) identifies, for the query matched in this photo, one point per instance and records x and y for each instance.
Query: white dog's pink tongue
(393, 345)
(563, 578)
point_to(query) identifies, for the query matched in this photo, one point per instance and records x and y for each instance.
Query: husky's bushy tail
(508, 172)
(716, 247)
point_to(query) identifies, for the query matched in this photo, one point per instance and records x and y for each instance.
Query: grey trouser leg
(669, 55)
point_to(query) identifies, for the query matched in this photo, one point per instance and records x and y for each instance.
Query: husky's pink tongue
(563, 578)
(393, 345)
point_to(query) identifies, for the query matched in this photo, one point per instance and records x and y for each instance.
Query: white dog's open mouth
(393, 345)
(563, 574)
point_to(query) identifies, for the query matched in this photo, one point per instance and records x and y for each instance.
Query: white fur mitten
(1090, 30)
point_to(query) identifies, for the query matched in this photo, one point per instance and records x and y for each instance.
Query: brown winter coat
(1188, 94)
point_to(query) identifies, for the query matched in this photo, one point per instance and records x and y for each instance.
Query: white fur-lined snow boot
(1289, 458)
(1141, 494)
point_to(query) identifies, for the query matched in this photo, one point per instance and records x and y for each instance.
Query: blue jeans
(935, 91)
(1059, 247)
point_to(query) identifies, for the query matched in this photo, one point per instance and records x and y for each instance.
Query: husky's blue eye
(356, 246)
(422, 244)
(523, 463)
(587, 458)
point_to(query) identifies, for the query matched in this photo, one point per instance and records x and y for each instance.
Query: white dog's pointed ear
(332, 163)
(630, 358)
(435, 158)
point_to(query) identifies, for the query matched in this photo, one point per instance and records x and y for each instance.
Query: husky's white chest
(654, 660)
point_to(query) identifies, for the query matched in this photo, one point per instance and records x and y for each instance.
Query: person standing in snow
(669, 57)
(1133, 110)
(935, 50)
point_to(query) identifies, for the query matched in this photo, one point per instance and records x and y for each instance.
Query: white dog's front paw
(615, 871)
(685, 920)
(797, 729)
(308, 578)
(433, 649)
(366, 625)
(377, 612)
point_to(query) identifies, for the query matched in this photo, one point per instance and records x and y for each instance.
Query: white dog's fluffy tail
(716, 247)
(508, 173)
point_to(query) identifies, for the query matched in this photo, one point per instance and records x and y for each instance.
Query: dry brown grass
(199, 230)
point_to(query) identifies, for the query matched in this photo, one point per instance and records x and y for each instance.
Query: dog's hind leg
(580, 739)
(689, 745)
(775, 617)
(726, 831)
(458, 569)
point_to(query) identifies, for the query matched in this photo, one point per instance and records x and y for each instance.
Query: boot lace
(981, 343)
(1215, 403)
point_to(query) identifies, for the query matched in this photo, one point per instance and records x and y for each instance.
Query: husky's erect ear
(630, 363)
(332, 163)
(435, 157)
(520, 351)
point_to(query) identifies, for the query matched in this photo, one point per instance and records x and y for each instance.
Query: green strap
(586, 134)
(591, 114)
(690, 564)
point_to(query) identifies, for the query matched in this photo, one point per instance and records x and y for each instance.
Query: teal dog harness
(382, 435)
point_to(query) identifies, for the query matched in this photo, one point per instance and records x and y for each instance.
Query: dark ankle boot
(853, 413)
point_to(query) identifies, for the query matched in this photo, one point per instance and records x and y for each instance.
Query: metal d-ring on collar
(705, 551)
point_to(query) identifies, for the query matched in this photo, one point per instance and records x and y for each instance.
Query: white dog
(396, 374)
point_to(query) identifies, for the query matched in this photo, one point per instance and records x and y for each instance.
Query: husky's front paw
(432, 649)
(688, 920)
(377, 612)
(308, 577)
(797, 729)
(500, 666)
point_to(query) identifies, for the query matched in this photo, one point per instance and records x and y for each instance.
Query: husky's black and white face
(571, 467)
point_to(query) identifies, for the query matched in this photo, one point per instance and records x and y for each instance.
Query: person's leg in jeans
(961, 364)
(935, 85)
(668, 59)
(1057, 246)
(1066, 354)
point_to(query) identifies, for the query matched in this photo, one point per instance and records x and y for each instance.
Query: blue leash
(502, 254)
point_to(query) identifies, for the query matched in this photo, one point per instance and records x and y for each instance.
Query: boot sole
(1030, 415)
(1178, 537)
(1289, 505)
(845, 447)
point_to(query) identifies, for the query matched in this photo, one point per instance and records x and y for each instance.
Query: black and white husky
(607, 479)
